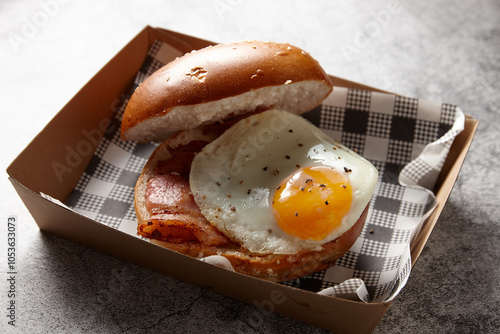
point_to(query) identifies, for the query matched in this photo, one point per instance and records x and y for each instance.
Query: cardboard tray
(65, 141)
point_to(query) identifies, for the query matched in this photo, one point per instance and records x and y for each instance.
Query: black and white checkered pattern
(390, 131)
(393, 138)
(379, 125)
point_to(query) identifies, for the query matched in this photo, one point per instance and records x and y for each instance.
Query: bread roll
(222, 81)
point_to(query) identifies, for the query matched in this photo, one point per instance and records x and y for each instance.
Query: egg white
(233, 179)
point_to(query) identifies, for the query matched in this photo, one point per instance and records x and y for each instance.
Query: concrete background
(446, 50)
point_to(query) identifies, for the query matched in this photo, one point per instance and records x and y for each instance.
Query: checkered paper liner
(406, 139)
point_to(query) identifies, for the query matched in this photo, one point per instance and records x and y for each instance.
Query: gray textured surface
(439, 50)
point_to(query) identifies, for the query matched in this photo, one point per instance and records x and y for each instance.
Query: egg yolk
(311, 202)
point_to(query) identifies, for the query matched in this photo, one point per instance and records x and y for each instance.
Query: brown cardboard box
(66, 145)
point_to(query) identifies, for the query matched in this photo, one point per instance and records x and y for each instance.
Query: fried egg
(275, 183)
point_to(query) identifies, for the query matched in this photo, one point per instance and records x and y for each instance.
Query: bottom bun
(276, 267)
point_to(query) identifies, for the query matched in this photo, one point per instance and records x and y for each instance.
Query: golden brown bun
(270, 267)
(220, 81)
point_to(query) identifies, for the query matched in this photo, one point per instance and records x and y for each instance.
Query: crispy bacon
(181, 228)
(170, 193)
(175, 216)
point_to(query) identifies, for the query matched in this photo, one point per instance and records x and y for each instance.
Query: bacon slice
(175, 216)
(170, 193)
(179, 228)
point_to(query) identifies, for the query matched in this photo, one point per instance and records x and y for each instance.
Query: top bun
(218, 82)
